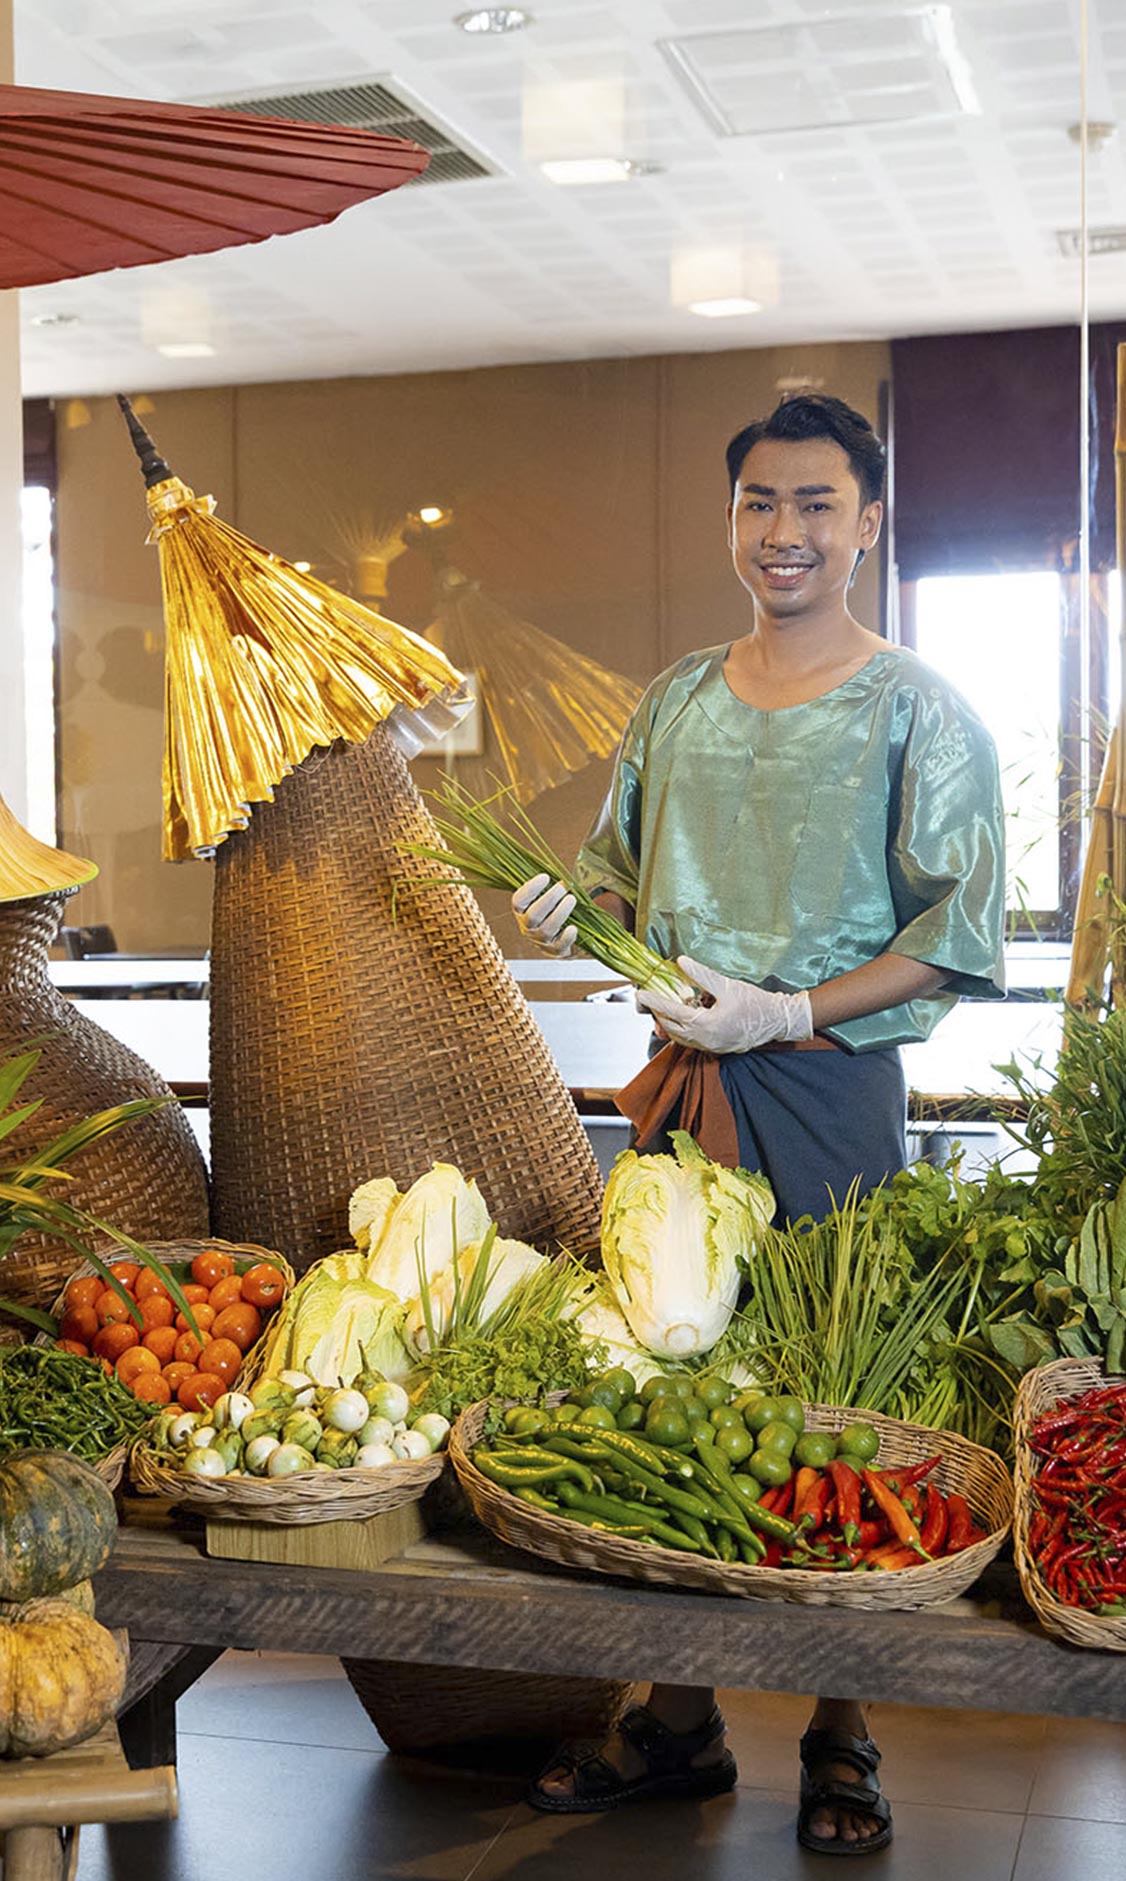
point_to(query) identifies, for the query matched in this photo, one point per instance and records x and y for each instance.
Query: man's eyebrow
(803, 489)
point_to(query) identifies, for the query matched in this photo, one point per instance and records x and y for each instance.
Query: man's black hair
(813, 415)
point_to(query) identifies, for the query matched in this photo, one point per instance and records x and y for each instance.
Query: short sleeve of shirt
(946, 847)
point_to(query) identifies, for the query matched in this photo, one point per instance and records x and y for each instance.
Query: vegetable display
(57, 1524)
(290, 1425)
(736, 1477)
(62, 1675)
(678, 1232)
(164, 1358)
(486, 854)
(1077, 1535)
(51, 1400)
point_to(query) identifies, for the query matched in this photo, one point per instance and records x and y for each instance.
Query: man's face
(797, 524)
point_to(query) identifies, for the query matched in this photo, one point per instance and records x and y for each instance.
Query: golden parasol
(29, 867)
(1100, 939)
(262, 663)
(550, 708)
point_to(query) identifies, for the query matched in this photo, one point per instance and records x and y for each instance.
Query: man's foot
(643, 1757)
(842, 1809)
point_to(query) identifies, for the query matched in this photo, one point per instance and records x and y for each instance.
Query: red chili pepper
(847, 1485)
(902, 1527)
(807, 1481)
(915, 1473)
(961, 1524)
(817, 1504)
(933, 1532)
(871, 1534)
(891, 1559)
(785, 1499)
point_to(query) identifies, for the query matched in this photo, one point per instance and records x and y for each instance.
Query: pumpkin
(81, 1595)
(57, 1523)
(61, 1676)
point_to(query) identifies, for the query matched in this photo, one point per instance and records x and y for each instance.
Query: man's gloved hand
(743, 1016)
(541, 908)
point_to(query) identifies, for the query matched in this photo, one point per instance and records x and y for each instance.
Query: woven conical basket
(357, 1031)
(147, 1178)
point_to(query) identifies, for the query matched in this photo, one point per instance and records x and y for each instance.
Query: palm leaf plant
(30, 1202)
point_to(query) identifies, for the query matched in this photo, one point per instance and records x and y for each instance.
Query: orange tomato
(188, 1347)
(240, 1323)
(83, 1291)
(192, 1292)
(152, 1388)
(211, 1266)
(176, 1373)
(149, 1283)
(223, 1357)
(80, 1323)
(202, 1313)
(113, 1340)
(263, 1285)
(200, 1390)
(226, 1292)
(73, 1345)
(126, 1272)
(111, 1309)
(157, 1310)
(162, 1341)
(135, 1361)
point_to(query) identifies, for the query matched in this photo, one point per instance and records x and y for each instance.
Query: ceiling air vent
(1099, 242)
(373, 105)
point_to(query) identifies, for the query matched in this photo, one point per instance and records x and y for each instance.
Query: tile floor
(284, 1779)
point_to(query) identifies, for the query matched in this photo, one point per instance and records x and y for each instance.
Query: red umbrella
(89, 183)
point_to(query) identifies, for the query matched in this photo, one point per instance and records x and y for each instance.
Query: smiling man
(810, 820)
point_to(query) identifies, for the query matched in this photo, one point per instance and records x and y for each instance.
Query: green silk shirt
(789, 846)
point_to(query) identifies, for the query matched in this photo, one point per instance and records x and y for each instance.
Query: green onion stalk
(487, 854)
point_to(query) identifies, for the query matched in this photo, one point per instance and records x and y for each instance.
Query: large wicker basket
(147, 1178)
(427, 1707)
(348, 1495)
(363, 1023)
(1040, 1391)
(973, 1472)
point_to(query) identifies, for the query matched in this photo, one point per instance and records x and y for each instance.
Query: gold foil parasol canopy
(29, 867)
(263, 663)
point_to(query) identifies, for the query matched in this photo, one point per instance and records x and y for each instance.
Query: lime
(513, 1412)
(777, 1436)
(745, 1401)
(683, 1384)
(632, 1415)
(624, 1383)
(858, 1440)
(603, 1392)
(694, 1411)
(770, 1468)
(529, 1424)
(596, 1417)
(792, 1412)
(725, 1415)
(581, 1398)
(656, 1387)
(703, 1433)
(666, 1423)
(815, 1451)
(745, 1487)
(735, 1441)
(763, 1411)
(566, 1413)
(713, 1392)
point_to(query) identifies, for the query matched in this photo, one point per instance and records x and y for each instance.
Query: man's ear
(871, 520)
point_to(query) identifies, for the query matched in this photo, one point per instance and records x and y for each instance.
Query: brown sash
(681, 1075)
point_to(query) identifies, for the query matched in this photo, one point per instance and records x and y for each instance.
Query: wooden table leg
(33, 1855)
(148, 1726)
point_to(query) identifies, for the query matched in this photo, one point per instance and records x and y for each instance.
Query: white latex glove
(541, 908)
(743, 1016)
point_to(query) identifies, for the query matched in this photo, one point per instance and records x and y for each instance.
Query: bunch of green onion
(487, 854)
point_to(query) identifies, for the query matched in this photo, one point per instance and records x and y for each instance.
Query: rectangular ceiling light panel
(374, 104)
(822, 74)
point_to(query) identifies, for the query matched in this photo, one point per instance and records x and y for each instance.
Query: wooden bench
(43, 1800)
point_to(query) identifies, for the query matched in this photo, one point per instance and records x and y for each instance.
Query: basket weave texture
(148, 1178)
(418, 1707)
(1040, 1391)
(973, 1472)
(363, 1025)
(347, 1495)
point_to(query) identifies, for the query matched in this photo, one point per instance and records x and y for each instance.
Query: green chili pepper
(509, 1476)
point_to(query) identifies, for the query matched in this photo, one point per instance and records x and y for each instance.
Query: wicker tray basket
(1041, 1390)
(348, 1495)
(975, 1473)
(429, 1707)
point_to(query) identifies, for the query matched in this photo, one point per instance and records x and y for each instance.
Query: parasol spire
(152, 463)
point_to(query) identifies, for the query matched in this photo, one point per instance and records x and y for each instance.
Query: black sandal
(668, 1767)
(863, 1797)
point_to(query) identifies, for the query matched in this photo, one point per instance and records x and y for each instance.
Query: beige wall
(588, 499)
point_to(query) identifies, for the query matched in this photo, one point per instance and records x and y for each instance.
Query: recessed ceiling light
(569, 171)
(187, 349)
(724, 309)
(430, 513)
(55, 320)
(493, 20)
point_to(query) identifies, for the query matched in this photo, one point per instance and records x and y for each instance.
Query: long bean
(51, 1400)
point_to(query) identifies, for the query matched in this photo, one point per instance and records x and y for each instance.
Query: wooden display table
(463, 1599)
(44, 1799)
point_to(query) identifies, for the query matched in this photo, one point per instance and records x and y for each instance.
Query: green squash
(57, 1523)
(81, 1596)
